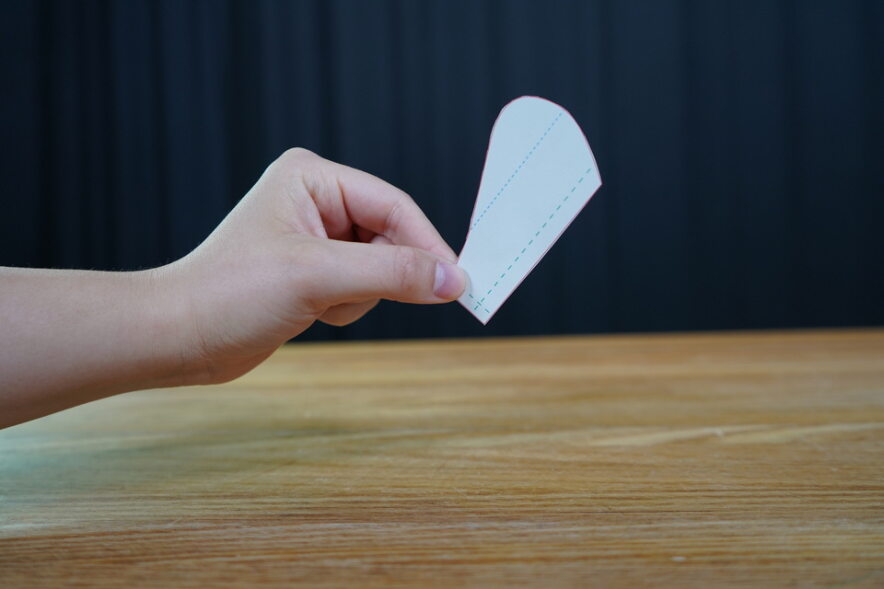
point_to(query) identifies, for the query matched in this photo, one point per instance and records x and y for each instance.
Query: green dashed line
(530, 242)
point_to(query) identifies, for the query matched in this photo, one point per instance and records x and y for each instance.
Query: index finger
(382, 208)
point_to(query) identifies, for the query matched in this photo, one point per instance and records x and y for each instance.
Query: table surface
(690, 460)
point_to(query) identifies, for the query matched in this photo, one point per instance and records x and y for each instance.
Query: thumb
(364, 271)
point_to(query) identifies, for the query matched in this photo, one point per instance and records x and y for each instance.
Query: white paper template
(539, 173)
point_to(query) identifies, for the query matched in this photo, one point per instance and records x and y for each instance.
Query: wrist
(170, 335)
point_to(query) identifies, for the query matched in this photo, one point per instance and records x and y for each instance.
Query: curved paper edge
(477, 204)
(495, 128)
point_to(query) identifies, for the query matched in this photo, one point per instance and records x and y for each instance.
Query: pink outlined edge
(565, 228)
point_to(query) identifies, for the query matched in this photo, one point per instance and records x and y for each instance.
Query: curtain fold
(740, 143)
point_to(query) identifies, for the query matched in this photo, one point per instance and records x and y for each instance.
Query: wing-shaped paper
(539, 173)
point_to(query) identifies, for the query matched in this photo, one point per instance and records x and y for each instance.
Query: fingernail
(450, 281)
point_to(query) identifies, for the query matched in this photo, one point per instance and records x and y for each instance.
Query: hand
(311, 240)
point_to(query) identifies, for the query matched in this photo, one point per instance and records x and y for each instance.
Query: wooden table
(718, 459)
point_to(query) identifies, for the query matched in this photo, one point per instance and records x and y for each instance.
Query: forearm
(68, 337)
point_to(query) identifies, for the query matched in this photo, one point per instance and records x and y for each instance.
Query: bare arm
(70, 336)
(311, 240)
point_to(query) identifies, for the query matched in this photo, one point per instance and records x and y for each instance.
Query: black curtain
(740, 142)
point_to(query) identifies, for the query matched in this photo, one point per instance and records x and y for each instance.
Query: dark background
(740, 142)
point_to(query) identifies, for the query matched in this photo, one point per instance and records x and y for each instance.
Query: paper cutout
(539, 174)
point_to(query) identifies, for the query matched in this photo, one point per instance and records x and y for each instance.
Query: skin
(312, 240)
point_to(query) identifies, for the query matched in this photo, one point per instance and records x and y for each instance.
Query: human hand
(311, 240)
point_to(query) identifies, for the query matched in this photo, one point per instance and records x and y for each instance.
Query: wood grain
(689, 460)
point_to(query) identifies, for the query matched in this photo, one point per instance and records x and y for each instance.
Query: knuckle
(394, 215)
(295, 160)
(298, 154)
(291, 162)
(408, 268)
(318, 179)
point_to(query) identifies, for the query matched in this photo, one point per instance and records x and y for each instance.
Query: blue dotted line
(518, 169)
(479, 302)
